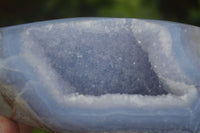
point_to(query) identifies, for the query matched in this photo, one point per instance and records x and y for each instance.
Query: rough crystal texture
(101, 75)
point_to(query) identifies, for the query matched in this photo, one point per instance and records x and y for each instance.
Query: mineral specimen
(101, 75)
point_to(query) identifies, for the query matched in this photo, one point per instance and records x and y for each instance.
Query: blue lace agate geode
(101, 75)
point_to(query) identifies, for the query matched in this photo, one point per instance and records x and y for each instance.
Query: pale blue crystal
(101, 75)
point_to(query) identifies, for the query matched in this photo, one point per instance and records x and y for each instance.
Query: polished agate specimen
(101, 75)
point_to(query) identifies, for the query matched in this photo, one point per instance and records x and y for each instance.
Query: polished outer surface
(101, 75)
